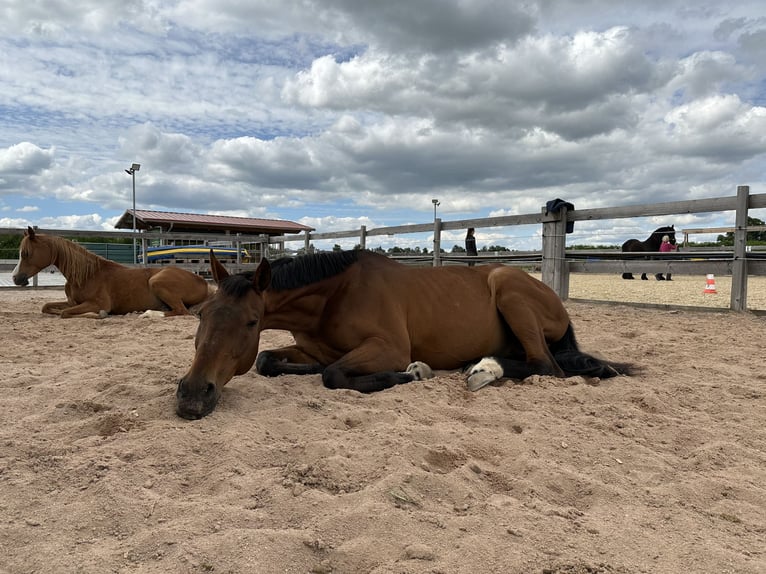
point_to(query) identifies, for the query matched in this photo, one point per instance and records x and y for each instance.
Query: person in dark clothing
(470, 245)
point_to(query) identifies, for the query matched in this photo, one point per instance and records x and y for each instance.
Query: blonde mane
(75, 262)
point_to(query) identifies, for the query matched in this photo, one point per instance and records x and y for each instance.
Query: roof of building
(170, 221)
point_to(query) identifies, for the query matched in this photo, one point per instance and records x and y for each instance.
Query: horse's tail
(574, 362)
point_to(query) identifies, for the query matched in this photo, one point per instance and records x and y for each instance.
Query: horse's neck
(75, 264)
(293, 309)
(653, 243)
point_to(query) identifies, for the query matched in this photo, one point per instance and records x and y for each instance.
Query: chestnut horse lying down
(96, 286)
(366, 322)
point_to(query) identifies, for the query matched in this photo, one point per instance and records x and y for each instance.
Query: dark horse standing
(651, 244)
(367, 323)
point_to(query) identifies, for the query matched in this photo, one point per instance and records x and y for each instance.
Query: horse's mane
(294, 272)
(75, 262)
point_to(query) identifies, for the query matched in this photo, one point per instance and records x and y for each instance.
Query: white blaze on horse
(96, 286)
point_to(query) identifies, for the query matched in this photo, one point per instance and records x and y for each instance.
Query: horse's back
(633, 245)
(180, 276)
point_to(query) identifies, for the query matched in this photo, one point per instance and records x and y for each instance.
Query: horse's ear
(262, 276)
(219, 271)
(30, 232)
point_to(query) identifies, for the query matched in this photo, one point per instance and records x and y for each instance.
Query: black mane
(656, 237)
(293, 272)
(668, 230)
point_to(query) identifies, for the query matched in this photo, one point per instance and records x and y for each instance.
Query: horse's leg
(88, 309)
(644, 277)
(491, 369)
(525, 325)
(55, 307)
(368, 368)
(293, 360)
(169, 295)
(286, 361)
(176, 312)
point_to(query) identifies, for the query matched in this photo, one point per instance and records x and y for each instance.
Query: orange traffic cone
(710, 285)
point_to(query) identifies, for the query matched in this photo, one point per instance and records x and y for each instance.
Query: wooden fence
(555, 262)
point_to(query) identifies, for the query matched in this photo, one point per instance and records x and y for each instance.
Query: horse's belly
(136, 301)
(454, 346)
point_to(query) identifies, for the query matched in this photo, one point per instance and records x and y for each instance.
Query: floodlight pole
(436, 203)
(132, 171)
(437, 235)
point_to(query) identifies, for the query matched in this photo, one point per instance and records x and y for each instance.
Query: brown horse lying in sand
(366, 322)
(96, 286)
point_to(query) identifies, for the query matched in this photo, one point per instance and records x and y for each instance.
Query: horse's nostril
(210, 390)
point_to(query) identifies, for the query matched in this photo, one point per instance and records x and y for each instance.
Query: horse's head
(227, 338)
(35, 254)
(670, 232)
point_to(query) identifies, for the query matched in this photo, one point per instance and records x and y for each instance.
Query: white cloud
(719, 127)
(24, 158)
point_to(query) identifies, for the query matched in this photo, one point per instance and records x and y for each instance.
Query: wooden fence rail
(556, 264)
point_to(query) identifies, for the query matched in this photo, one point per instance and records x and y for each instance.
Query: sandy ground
(664, 472)
(683, 290)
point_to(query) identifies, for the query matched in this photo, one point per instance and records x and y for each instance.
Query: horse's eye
(251, 324)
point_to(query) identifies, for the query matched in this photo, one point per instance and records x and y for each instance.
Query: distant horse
(366, 322)
(651, 244)
(96, 285)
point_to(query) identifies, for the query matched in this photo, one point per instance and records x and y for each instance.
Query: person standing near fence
(470, 245)
(665, 247)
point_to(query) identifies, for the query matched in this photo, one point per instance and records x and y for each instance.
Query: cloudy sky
(341, 113)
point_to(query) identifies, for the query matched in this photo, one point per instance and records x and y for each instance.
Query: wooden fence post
(437, 242)
(144, 246)
(739, 265)
(262, 251)
(363, 237)
(554, 266)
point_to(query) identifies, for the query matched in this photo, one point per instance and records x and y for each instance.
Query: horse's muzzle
(193, 404)
(21, 279)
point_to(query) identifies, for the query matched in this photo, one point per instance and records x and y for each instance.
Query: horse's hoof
(486, 371)
(103, 314)
(420, 371)
(152, 314)
(480, 380)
